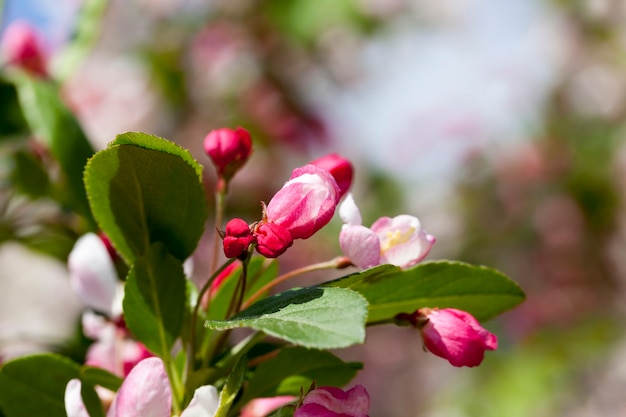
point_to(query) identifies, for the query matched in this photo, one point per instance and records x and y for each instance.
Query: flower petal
(204, 403)
(74, 406)
(360, 245)
(92, 273)
(145, 392)
(349, 212)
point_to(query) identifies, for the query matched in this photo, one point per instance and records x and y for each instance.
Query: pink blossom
(272, 240)
(261, 407)
(334, 402)
(237, 238)
(306, 203)
(228, 149)
(21, 47)
(145, 392)
(340, 168)
(398, 241)
(457, 336)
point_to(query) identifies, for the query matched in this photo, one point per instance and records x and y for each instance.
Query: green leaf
(481, 291)
(324, 318)
(99, 376)
(232, 387)
(154, 300)
(35, 385)
(56, 126)
(29, 176)
(295, 368)
(147, 192)
(92, 401)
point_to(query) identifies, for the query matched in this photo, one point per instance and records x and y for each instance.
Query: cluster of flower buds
(305, 203)
(452, 334)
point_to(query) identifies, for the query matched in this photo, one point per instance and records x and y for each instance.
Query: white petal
(349, 212)
(74, 406)
(92, 273)
(204, 403)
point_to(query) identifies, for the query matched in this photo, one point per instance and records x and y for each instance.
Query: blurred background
(499, 123)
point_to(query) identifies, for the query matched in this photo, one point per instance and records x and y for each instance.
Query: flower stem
(220, 201)
(194, 316)
(337, 263)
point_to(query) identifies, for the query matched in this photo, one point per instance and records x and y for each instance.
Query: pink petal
(360, 245)
(145, 392)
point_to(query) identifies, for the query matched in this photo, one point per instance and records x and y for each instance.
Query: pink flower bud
(334, 402)
(306, 203)
(228, 149)
(339, 168)
(272, 240)
(457, 336)
(22, 48)
(237, 238)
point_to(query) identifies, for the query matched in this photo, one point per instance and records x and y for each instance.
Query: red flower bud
(339, 168)
(237, 238)
(228, 149)
(272, 240)
(22, 48)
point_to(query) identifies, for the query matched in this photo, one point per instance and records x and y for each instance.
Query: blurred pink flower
(22, 47)
(145, 392)
(334, 402)
(457, 336)
(93, 276)
(306, 203)
(398, 241)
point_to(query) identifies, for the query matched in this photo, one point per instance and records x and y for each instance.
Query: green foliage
(144, 189)
(29, 176)
(232, 387)
(323, 318)
(35, 385)
(154, 300)
(481, 291)
(51, 122)
(295, 368)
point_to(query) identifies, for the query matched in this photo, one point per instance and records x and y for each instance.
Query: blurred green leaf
(29, 176)
(35, 385)
(52, 123)
(481, 291)
(11, 119)
(98, 376)
(145, 189)
(323, 318)
(295, 368)
(154, 300)
(91, 400)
